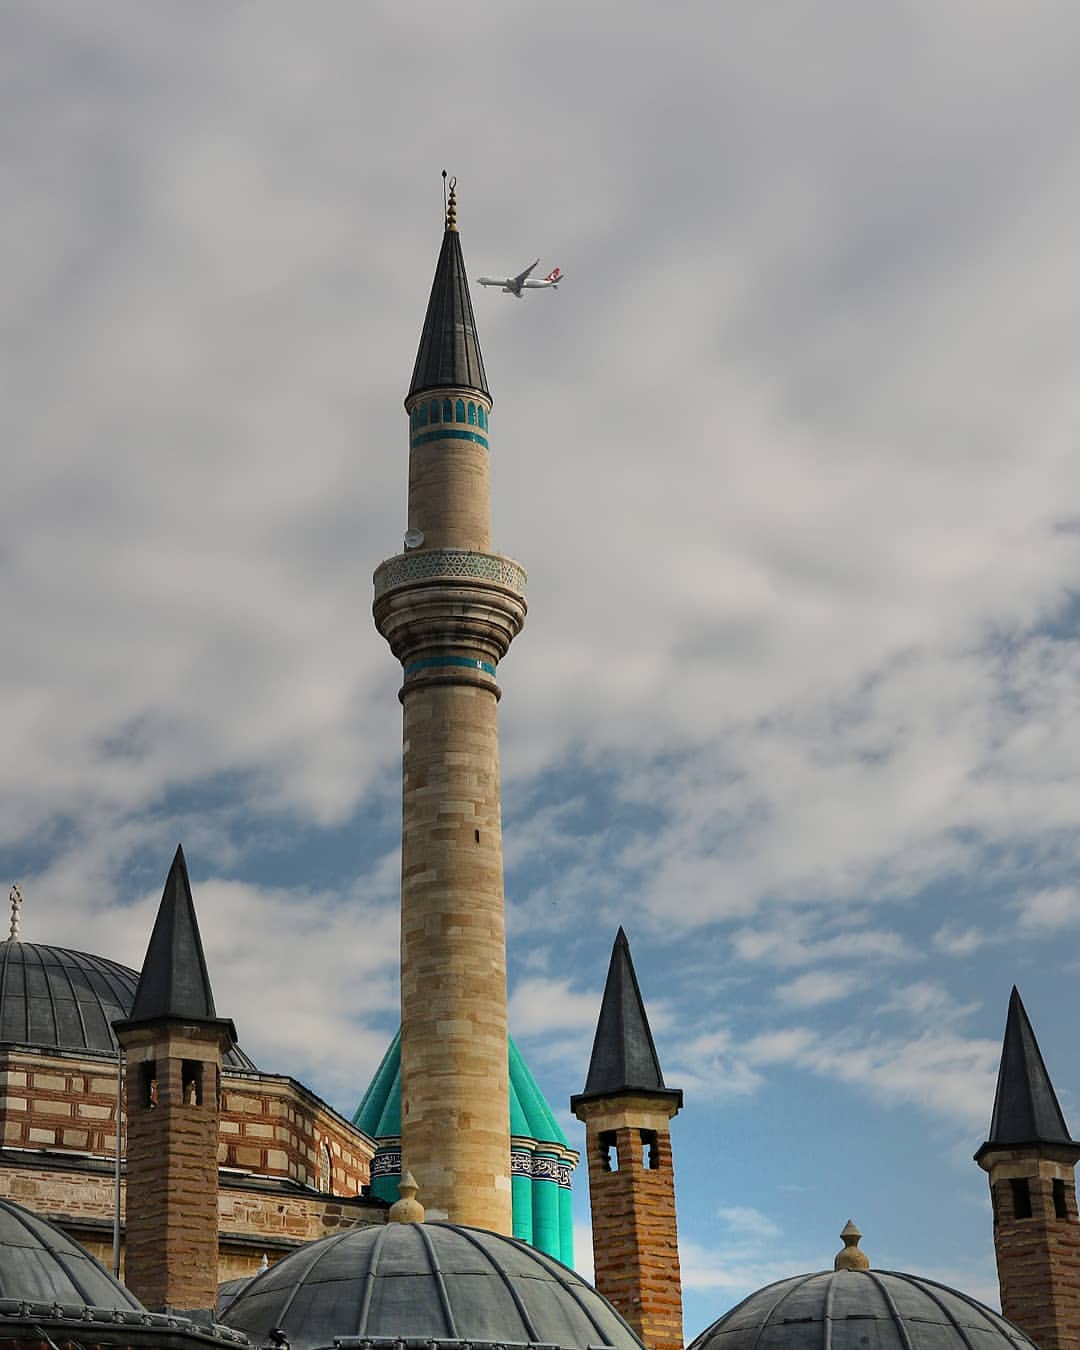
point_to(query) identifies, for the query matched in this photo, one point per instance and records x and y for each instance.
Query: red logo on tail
(553, 276)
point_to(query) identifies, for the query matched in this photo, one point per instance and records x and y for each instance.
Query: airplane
(514, 285)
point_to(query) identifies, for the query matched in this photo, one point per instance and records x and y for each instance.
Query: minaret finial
(850, 1258)
(16, 901)
(451, 206)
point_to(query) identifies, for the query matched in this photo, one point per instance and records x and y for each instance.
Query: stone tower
(1031, 1161)
(627, 1110)
(449, 608)
(174, 1042)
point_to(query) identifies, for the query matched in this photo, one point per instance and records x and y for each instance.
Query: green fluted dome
(541, 1161)
(379, 1114)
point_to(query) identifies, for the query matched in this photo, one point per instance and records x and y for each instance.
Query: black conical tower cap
(449, 352)
(174, 984)
(624, 1056)
(1026, 1109)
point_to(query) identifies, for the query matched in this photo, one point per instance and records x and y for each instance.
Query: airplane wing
(519, 280)
(489, 281)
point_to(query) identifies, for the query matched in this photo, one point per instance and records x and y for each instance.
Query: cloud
(1046, 911)
(748, 1222)
(816, 987)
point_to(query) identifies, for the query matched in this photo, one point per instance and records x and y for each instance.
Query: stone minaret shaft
(1031, 1162)
(174, 1043)
(449, 609)
(627, 1111)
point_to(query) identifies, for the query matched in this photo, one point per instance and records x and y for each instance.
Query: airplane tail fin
(554, 277)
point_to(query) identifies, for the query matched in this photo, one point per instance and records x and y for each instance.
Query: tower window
(447, 410)
(459, 411)
(191, 1080)
(1021, 1197)
(481, 417)
(1061, 1209)
(650, 1154)
(423, 414)
(148, 1093)
(434, 409)
(472, 414)
(609, 1151)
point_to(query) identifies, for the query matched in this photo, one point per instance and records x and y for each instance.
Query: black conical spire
(1026, 1109)
(624, 1056)
(449, 352)
(174, 983)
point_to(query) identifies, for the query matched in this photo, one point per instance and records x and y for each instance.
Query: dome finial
(850, 1258)
(16, 901)
(408, 1209)
(451, 205)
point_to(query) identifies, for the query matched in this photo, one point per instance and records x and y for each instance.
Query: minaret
(1031, 1161)
(174, 1041)
(449, 608)
(627, 1110)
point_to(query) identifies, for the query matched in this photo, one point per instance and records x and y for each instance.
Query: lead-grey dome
(55, 999)
(432, 1281)
(850, 1309)
(40, 1264)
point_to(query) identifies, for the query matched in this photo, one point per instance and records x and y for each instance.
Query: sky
(790, 460)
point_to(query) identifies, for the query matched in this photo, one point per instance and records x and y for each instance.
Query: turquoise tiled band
(448, 434)
(464, 662)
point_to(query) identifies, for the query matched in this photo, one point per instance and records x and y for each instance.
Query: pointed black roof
(174, 984)
(449, 352)
(624, 1057)
(1026, 1109)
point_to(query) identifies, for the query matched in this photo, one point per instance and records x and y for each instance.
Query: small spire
(16, 901)
(174, 982)
(451, 207)
(408, 1209)
(849, 1257)
(624, 1057)
(1026, 1109)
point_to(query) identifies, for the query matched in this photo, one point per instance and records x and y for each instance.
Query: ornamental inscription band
(434, 564)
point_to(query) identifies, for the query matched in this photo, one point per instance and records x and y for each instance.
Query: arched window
(481, 417)
(434, 409)
(460, 411)
(325, 1168)
(447, 410)
(423, 414)
(472, 414)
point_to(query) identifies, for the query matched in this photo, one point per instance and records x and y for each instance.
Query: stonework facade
(632, 1198)
(291, 1169)
(1037, 1241)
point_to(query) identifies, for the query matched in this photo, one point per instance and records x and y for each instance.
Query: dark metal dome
(55, 999)
(850, 1309)
(425, 1281)
(40, 1264)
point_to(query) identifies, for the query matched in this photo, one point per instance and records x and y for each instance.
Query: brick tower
(449, 608)
(1031, 1161)
(627, 1109)
(174, 1043)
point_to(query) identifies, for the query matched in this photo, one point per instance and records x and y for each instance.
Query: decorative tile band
(449, 562)
(540, 1168)
(386, 1163)
(464, 662)
(449, 434)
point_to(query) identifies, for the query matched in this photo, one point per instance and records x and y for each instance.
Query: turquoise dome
(541, 1160)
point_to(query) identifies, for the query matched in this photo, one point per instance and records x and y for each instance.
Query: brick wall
(1038, 1256)
(275, 1127)
(635, 1236)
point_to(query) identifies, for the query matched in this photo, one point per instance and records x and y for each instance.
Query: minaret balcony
(448, 564)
